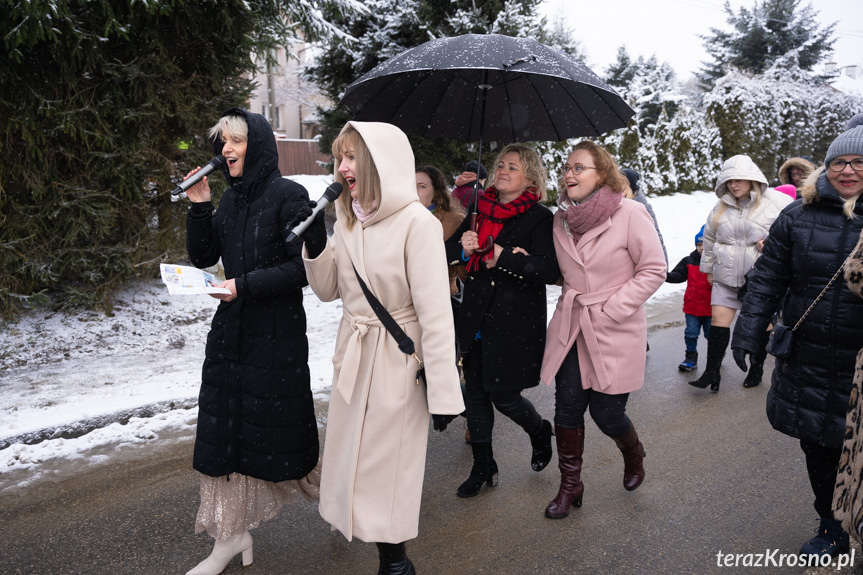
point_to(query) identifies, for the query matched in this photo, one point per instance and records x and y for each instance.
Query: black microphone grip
(211, 167)
(332, 192)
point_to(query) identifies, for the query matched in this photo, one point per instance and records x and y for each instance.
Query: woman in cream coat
(611, 261)
(733, 239)
(377, 430)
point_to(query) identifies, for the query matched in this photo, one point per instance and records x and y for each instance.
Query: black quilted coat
(808, 242)
(256, 414)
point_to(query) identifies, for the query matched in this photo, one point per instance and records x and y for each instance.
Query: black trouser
(480, 404)
(571, 401)
(822, 463)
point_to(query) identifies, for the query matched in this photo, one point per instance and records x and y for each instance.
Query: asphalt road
(719, 479)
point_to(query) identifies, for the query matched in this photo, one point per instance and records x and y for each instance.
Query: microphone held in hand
(211, 167)
(333, 192)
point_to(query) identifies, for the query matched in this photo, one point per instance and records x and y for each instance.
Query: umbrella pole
(490, 242)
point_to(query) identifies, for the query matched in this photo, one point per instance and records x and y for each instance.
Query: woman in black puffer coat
(257, 437)
(808, 398)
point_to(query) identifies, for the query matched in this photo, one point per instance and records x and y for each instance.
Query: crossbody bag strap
(824, 291)
(405, 343)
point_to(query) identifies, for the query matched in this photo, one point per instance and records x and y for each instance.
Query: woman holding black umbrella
(502, 319)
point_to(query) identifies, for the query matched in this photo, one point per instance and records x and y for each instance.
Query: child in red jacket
(696, 301)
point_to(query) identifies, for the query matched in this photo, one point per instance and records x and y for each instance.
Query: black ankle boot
(541, 443)
(717, 343)
(484, 470)
(394, 560)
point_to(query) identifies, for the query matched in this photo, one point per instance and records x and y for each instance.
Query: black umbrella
(476, 87)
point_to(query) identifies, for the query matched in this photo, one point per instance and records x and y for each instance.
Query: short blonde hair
(534, 170)
(234, 125)
(368, 181)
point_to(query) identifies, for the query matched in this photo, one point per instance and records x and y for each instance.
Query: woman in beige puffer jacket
(733, 238)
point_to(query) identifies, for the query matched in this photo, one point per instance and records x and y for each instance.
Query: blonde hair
(753, 185)
(606, 169)
(368, 182)
(534, 170)
(234, 125)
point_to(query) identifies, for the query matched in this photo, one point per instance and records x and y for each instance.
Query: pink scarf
(361, 215)
(596, 209)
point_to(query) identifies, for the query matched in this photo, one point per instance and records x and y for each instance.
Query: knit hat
(699, 237)
(633, 178)
(472, 167)
(787, 189)
(849, 142)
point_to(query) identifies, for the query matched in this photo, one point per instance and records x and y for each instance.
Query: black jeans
(822, 463)
(571, 401)
(480, 404)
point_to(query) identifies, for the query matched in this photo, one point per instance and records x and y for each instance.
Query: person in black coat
(809, 394)
(257, 437)
(502, 320)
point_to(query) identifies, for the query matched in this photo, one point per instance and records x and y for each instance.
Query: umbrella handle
(489, 242)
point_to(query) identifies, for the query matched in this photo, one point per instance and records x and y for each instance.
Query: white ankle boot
(223, 551)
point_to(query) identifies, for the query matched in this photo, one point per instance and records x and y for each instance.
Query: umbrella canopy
(492, 87)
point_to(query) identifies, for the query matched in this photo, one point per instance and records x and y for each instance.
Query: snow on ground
(88, 387)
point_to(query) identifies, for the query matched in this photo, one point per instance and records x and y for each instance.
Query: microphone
(211, 167)
(333, 192)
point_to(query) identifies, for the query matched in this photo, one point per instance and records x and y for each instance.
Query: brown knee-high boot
(570, 447)
(633, 455)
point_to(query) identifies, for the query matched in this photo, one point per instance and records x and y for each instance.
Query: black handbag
(781, 339)
(405, 343)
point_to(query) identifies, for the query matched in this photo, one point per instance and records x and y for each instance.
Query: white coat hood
(738, 167)
(394, 160)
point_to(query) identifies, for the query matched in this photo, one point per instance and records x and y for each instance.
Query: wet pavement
(719, 479)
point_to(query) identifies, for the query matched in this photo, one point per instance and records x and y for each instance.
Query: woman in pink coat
(611, 261)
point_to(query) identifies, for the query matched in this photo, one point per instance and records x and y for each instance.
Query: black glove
(739, 354)
(441, 421)
(315, 235)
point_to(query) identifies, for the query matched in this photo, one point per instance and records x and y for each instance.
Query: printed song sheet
(182, 280)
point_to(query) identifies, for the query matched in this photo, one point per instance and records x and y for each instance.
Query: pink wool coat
(607, 277)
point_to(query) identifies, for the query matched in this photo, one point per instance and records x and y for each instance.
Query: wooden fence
(301, 157)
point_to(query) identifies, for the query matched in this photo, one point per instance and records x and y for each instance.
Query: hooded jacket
(729, 240)
(785, 169)
(808, 242)
(377, 429)
(256, 414)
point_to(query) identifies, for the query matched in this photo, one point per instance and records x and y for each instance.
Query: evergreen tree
(781, 113)
(762, 34)
(100, 103)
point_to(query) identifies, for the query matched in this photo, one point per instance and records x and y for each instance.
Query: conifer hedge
(103, 106)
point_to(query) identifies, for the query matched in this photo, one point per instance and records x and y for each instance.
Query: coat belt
(585, 324)
(360, 326)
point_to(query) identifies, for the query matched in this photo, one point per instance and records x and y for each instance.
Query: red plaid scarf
(492, 215)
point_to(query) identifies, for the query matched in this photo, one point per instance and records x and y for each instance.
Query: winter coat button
(563, 270)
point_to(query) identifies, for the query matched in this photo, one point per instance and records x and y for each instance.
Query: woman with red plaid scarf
(501, 323)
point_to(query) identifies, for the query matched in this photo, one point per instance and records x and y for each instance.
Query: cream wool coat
(377, 429)
(607, 277)
(729, 241)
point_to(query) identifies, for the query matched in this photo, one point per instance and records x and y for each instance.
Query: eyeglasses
(576, 169)
(838, 165)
